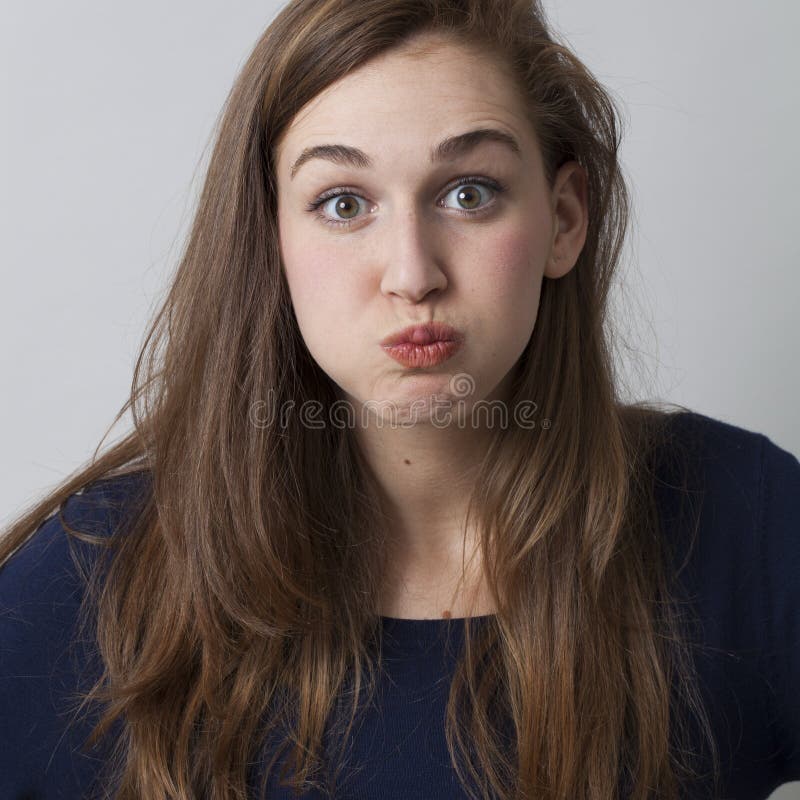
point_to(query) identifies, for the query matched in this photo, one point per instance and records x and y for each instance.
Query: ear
(570, 219)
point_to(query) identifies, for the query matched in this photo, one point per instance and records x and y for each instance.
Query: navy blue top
(741, 580)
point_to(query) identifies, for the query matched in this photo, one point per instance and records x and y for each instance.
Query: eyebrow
(450, 148)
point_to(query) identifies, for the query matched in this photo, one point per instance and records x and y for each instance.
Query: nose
(411, 270)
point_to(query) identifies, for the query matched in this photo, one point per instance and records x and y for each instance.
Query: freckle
(406, 461)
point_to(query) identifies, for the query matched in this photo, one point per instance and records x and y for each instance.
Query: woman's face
(401, 237)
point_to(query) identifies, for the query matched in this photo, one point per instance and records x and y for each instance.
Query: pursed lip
(427, 333)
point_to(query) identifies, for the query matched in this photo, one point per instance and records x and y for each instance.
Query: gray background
(108, 111)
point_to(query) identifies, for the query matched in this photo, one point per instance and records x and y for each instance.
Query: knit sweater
(740, 581)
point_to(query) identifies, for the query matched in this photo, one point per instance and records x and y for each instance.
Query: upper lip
(424, 334)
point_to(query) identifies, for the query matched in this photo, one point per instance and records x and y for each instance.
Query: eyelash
(345, 191)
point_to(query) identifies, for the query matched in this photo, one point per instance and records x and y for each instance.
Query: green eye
(469, 191)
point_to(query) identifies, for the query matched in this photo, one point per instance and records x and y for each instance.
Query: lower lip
(423, 355)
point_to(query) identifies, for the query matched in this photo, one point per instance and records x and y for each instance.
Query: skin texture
(409, 257)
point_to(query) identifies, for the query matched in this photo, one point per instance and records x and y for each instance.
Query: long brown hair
(244, 592)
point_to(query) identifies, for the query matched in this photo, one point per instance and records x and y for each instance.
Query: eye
(340, 206)
(470, 193)
(337, 209)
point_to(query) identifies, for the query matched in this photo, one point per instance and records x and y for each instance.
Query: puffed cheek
(512, 261)
(310, 272)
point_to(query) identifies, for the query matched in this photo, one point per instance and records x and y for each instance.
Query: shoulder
(743, 494)
(46, 655)
(738, 562)
(733, 471)
(718, 445)
(50, 552)
(744, 490)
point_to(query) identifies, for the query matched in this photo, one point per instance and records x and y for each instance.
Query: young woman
(383, 528)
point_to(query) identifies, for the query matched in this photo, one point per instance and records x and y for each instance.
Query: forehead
(408, 97)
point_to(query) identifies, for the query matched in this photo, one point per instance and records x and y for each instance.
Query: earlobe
(558, 266)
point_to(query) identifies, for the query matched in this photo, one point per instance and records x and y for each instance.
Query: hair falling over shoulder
(239, 603)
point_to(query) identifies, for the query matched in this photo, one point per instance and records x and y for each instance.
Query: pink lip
(424, 334)
(423, 345)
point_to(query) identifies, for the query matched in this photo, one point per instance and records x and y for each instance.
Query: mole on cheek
(406, 461)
